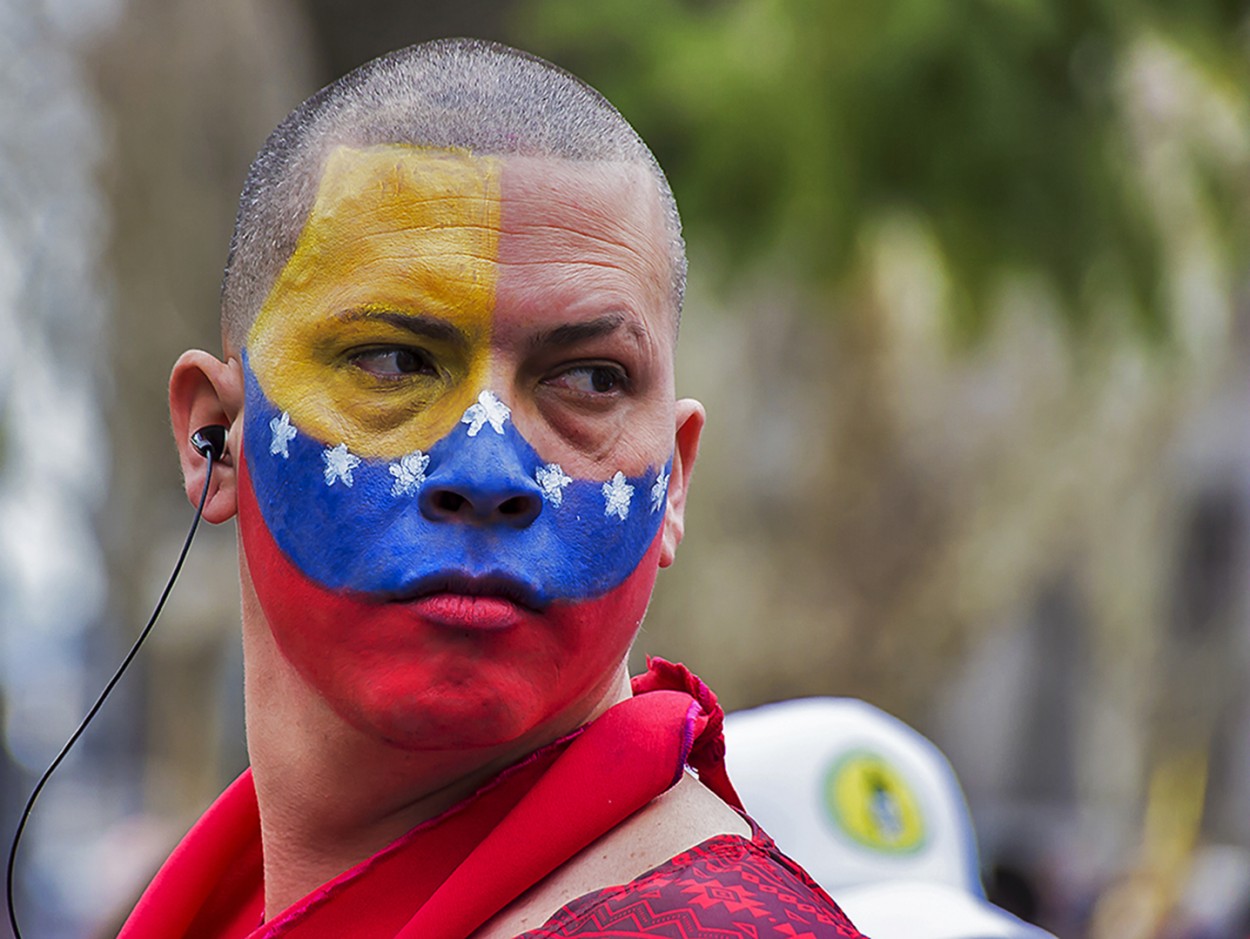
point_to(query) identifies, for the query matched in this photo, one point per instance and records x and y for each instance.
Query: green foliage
(787, 125)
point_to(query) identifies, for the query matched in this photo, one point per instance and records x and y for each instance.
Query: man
(456, 462)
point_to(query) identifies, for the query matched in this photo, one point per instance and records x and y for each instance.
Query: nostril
(517, 505)
(455, 504)
(447, 501)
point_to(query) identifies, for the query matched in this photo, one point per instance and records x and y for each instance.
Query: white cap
(873, 811)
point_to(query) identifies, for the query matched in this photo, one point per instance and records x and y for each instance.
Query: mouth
(460, 601)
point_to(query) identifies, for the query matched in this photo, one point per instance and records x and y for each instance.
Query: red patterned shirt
(725, 888)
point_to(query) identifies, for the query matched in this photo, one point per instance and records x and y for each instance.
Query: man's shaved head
(479, 97)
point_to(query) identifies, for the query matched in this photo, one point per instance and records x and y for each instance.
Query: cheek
(632, 438)
(420, 685)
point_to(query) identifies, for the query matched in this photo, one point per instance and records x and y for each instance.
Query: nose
(481, 482)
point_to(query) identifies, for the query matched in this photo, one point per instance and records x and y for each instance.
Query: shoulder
(728, 886)
(684, 816)
(686, 866)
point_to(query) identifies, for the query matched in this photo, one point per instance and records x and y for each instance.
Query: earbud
(210, 439)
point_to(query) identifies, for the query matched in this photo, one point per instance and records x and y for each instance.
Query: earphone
(210, 443)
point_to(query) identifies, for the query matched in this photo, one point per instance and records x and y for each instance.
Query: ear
(690, 418)
(204, 390)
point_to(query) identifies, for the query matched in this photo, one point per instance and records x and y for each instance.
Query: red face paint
(406, 672)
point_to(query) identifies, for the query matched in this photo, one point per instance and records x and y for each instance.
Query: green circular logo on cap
(871, 802)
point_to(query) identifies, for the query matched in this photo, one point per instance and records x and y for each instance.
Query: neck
(330, 795)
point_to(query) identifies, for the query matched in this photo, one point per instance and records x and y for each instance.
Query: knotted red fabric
(450, 875)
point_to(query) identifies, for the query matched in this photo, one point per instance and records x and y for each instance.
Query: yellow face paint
(399, 251)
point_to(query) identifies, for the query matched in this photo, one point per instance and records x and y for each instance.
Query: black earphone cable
(210, 455)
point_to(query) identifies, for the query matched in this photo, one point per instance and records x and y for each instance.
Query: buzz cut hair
(463, 94)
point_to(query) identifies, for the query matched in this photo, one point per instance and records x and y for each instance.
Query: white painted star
(339, 464)
(409, 473)
(283, 434)
(551, 480)
(659, 491)
(488, 410)
(617, 494)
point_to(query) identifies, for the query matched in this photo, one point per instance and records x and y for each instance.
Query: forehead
(585, 231)
(595, 213)
(466, 223)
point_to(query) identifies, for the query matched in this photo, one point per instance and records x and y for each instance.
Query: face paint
(352, 523)
(399, 248)
(431, 574)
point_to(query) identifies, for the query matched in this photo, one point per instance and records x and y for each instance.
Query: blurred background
(970, 313)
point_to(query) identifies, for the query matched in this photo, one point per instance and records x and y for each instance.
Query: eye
(395, 362)
(596, 380)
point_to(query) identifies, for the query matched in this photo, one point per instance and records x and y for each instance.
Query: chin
(481, 716)
(464, 701)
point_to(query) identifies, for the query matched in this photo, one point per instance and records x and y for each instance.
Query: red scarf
(448, 876)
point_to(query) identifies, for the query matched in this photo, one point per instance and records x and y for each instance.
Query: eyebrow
(419, 324)
(572, 333)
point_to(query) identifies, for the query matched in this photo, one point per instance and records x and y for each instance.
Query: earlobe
(690, 418)
(206, 392)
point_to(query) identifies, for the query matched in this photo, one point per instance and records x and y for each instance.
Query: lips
(459, 601)
(499, 586)
(457, 611)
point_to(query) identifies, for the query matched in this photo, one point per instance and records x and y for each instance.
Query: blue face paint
(380, 527)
